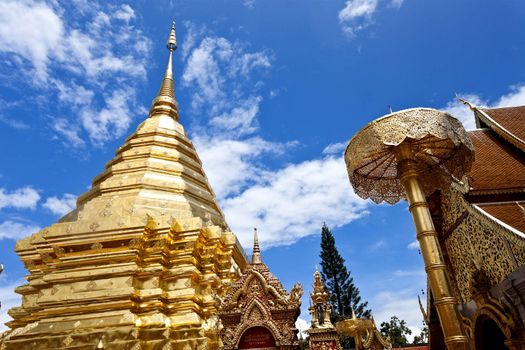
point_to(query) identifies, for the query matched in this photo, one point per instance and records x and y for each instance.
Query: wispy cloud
(515, 97)
(413, 245)
(403, 304)
(335, 148)
(21, 198)
(79, 59)
(356, 15)
(61, 205)
(287, 202)
(16, 230)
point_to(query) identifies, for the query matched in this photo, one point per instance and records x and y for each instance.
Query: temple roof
(498, 166)
(511, 214)
(508, 123)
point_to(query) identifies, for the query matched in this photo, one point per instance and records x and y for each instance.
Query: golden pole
(445, 302)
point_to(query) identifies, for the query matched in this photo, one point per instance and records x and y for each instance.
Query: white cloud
(98, 47)
(241, 119)
(302, 325)
(396, 3)
(413, 245)
(378, 244)
(248, 3)
(14, 123)
(61, 206)
(516, 97)
(293, 202)
(335, 148)
(112, 120)
(356, 15)
(9, 299)
(231, 164)
(125, 13)
(403, 304)
(463, 113)
(16, 230)
(22, 198)
(286, 203)
(70, 131)
(39, 36)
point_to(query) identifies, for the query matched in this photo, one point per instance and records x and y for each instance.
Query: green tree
(344, 295)
(422, 338)
(396, 330)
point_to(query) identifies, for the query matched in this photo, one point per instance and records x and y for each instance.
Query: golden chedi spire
(138, 263)
(165, 102)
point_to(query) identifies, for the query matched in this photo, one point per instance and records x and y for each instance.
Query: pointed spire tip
(172, 39)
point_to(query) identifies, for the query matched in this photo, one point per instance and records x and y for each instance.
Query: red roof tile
(509, 123)
(498, 166)
(512, 213)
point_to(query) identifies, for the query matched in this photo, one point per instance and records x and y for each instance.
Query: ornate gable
(257, 299)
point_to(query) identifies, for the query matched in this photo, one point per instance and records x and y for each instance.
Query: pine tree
(344, 295)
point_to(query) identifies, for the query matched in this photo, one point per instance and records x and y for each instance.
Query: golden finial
(466, 103)
(256, 257)
(353, 314)
(165, 102)
(172, 40)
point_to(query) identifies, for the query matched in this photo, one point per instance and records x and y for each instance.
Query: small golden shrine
(322, 333)
(139, 262)
(257, 312)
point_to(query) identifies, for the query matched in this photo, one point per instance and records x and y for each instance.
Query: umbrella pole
(444, 300)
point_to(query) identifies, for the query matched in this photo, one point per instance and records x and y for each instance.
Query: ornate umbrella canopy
(439, 144)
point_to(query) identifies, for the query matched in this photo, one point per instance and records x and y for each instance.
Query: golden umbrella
(408, 155)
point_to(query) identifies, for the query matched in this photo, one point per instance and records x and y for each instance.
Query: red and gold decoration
(257, 312)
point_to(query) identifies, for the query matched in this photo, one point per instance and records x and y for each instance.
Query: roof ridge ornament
(469, 104)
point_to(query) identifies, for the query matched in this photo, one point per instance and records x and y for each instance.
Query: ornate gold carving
(365, 333)
(253, 300)
(439, 141)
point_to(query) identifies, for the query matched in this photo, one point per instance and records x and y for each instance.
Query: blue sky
(270, 91)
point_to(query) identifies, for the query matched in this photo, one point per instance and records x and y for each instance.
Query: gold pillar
(445, 302)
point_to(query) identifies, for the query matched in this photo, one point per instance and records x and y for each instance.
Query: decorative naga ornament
(139, 262)
(409, 154)
(322, 333)
(257, 312)
(364, 332)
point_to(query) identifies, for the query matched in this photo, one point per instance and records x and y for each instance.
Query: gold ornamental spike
(256, 257)
(165, 102)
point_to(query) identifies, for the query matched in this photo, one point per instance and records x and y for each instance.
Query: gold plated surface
(365, 333)
(322, 333)
(139, 262)
(409, 154)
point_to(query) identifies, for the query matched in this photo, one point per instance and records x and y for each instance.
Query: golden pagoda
(141, 260)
